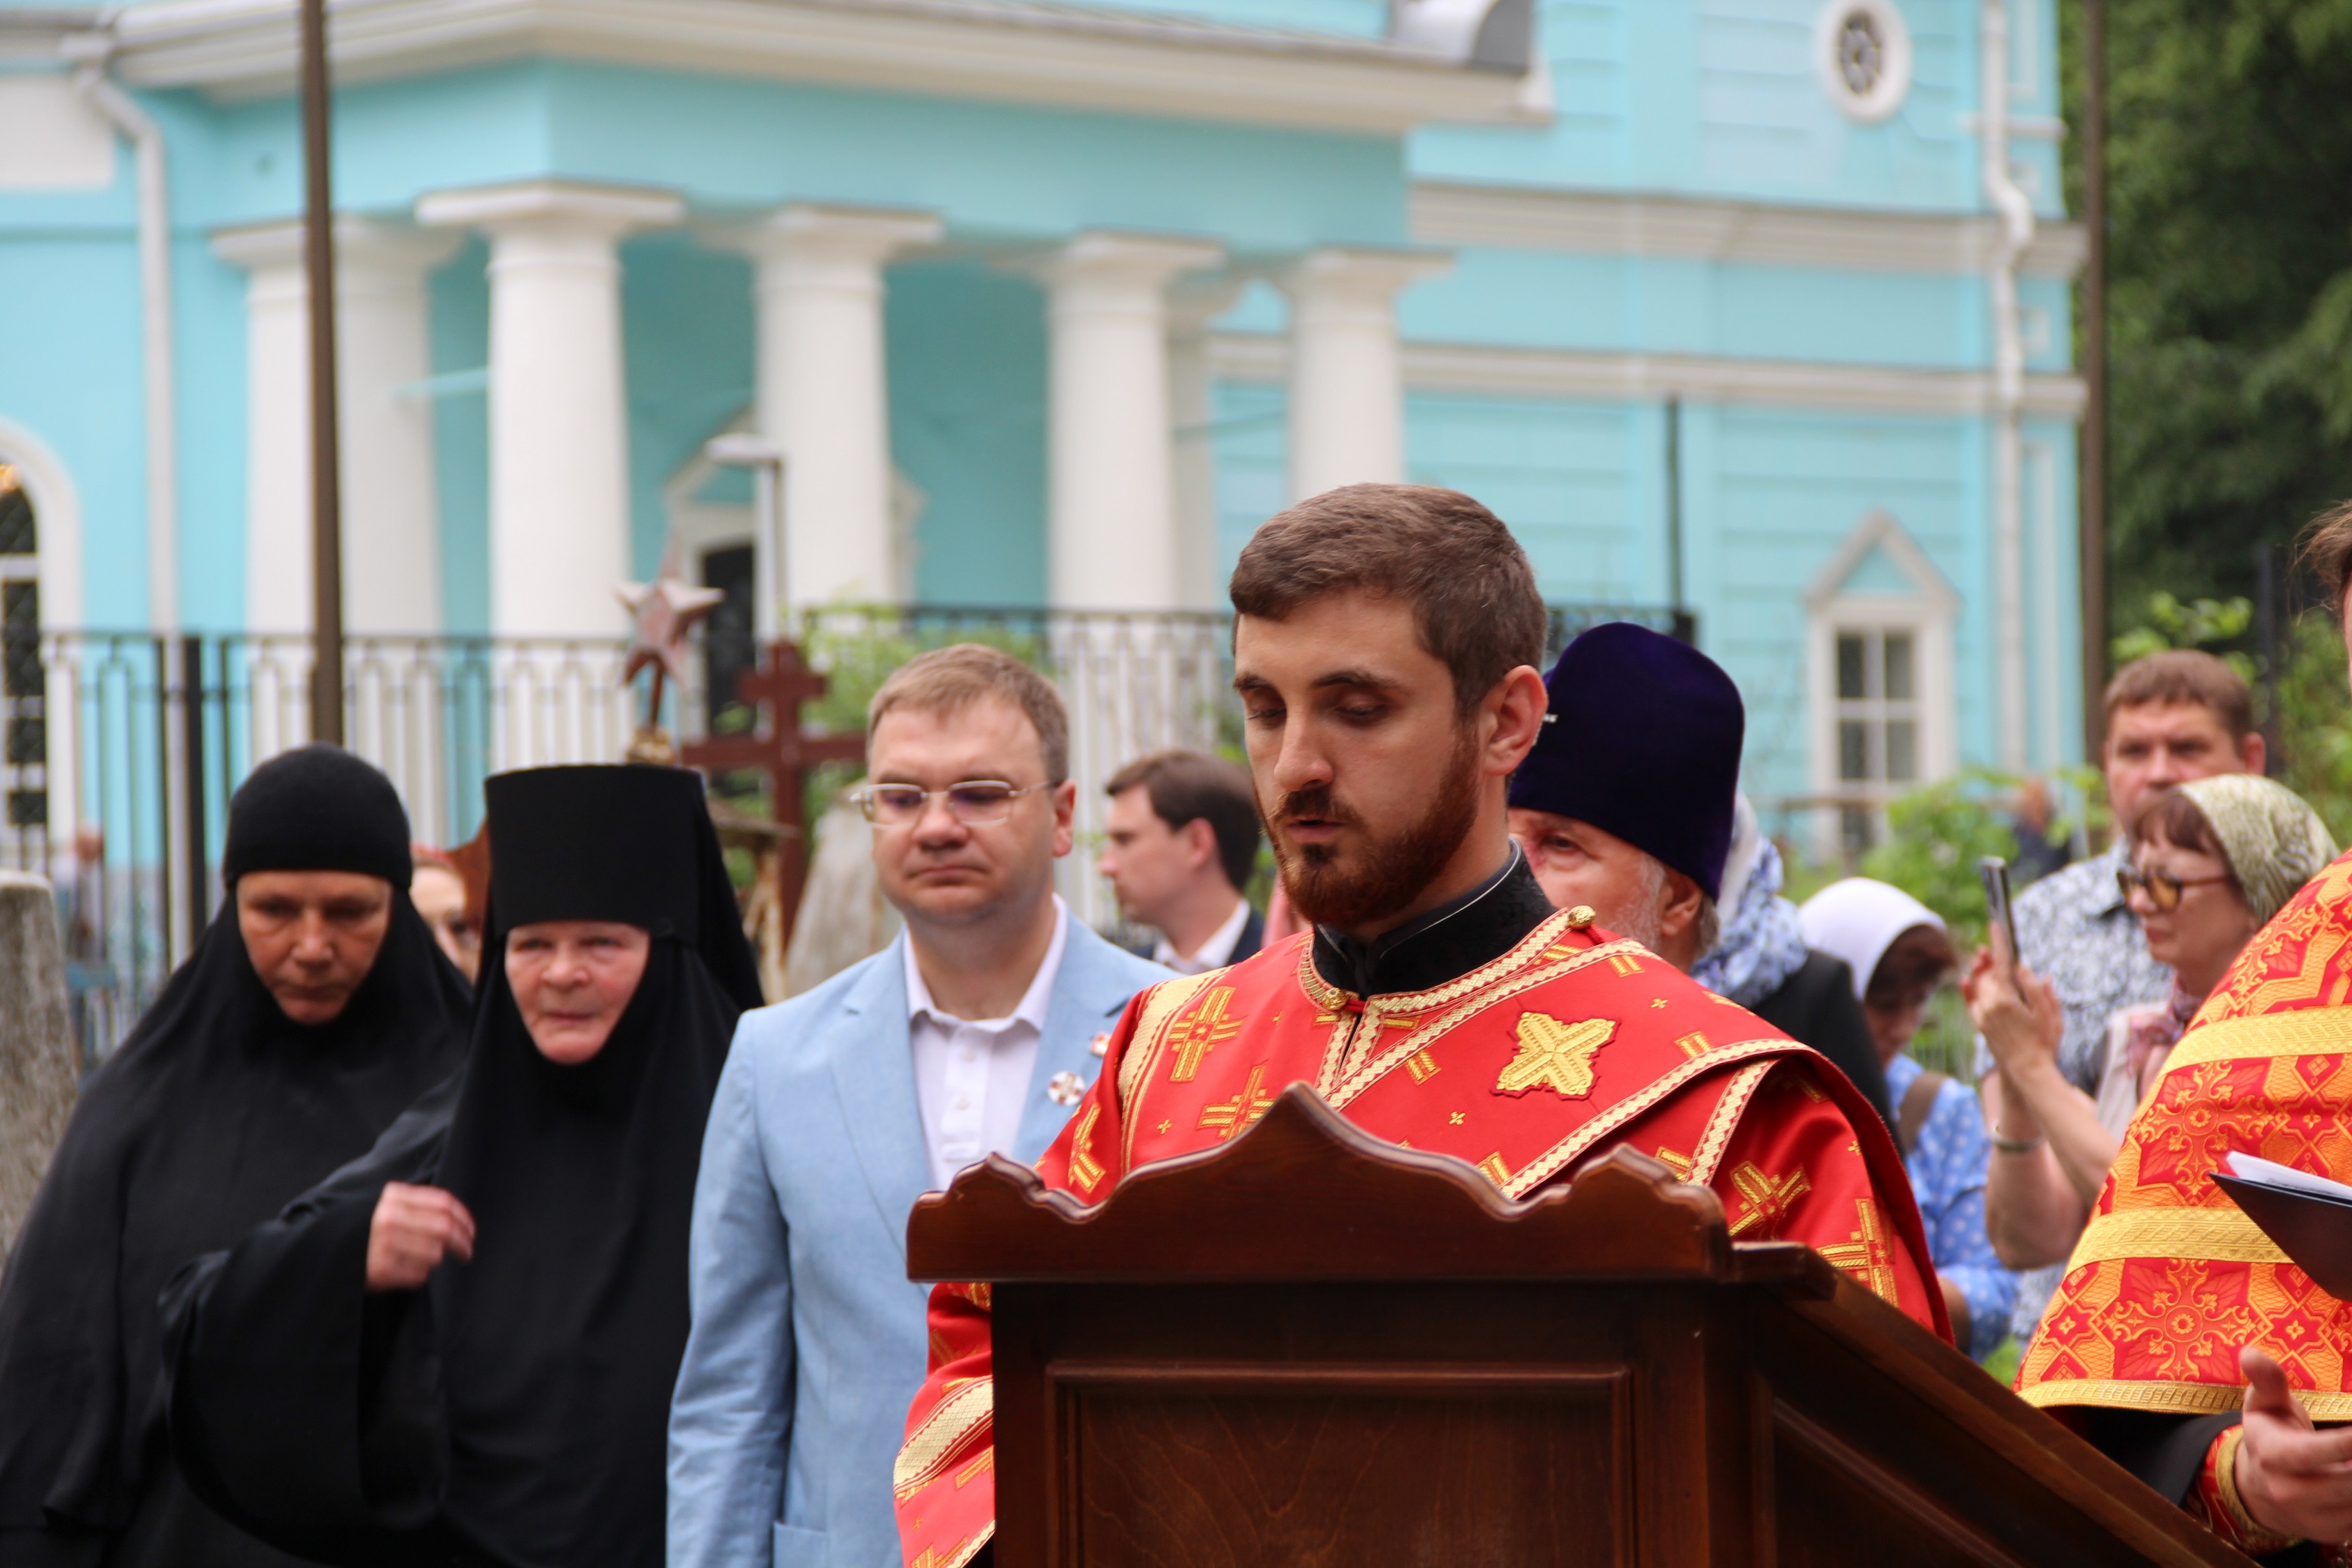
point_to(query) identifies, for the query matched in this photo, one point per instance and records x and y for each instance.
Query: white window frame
(1928, 614)
(57, 511)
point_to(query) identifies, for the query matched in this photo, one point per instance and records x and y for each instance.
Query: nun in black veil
(314, 1009)
(460, 1348)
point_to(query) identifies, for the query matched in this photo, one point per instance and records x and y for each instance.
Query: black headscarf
(516, 1409)
(216, 1112)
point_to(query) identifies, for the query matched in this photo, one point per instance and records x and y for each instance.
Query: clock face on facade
(1863, 52)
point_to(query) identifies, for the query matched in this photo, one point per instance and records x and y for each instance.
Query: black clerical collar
(1448, 942)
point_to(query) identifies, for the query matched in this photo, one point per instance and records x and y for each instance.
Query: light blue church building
(1758, 308)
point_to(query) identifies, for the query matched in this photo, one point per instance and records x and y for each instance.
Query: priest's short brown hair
(1473, 593)
(948, 679)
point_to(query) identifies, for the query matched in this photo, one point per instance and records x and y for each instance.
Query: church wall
(687, 341)
(1656, 304)
(459, 328)
(1751, 120)
(1768, 497)
(967, 359)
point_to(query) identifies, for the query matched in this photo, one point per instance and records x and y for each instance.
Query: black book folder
(2312, 1229)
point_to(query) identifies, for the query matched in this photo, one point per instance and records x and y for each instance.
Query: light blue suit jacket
(809, 1342)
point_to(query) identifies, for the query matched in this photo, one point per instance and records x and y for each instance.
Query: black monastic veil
(515, 1410)
(216, 1112)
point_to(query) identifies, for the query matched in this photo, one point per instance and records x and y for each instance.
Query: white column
(558, 410)
(392, 528)
(1192, 406)
(1112, 533)
(1347, 377)
(824, 391)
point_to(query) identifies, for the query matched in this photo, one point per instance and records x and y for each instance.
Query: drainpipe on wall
(2016, 212)
(90, 52)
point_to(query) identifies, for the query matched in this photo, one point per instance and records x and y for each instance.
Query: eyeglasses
(975, 802)
(2162, 887)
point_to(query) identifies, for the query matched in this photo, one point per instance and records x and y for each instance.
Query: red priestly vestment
(2170, 1277)
(1571, 1042)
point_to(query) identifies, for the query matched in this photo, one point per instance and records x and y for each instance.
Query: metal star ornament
(666, 611)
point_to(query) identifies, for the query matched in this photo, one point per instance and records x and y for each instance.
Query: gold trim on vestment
(1544, 1166)
(1161, 1005)
(923, 1459)
(2176, 1398)
(1353, 1085)
(2207, 1236)
(1326, 996)
(1724, 1121)
(2310, 1032)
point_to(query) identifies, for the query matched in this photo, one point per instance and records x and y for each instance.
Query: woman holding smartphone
(2212, 860)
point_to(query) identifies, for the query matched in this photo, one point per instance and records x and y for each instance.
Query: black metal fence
(123, 748)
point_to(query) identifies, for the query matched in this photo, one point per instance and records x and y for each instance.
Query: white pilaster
(1112, 537)
(392, 558)
(1192, 406)
(558, 409)
(1347, 380)
(824, 390)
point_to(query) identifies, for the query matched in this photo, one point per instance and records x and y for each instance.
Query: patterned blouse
(1947, 1177)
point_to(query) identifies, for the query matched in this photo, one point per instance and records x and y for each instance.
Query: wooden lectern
(1309, 1349)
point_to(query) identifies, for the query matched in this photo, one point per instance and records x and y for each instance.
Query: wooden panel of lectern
(1309, 1349)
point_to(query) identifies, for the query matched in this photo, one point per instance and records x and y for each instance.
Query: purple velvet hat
(1643, 743)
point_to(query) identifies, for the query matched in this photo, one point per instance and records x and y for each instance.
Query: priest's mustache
(1315, 804)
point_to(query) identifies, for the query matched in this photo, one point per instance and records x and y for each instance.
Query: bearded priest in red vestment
(1384, 652)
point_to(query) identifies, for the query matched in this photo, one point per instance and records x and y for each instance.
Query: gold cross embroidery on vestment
(1680, 1164)
(1695, 1044)
(1866, 1256)
(1231, 1116)
(1421, 1065)
(1770, 1198)
(1203, 1031)
(1085, 1169)
(1555, 1056)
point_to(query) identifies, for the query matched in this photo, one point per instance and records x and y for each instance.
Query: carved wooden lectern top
(1311, 1349)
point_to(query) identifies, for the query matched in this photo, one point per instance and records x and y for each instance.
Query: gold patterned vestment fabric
(2170, 1279)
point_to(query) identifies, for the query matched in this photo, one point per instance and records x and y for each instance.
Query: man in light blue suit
(838, 1108)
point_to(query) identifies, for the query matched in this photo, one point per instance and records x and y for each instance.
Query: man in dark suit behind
(1181, 841)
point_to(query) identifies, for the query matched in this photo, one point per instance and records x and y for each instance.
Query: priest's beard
(1386, 874)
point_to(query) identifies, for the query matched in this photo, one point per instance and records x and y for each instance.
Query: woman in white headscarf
(1899, 954)
(2212, 860)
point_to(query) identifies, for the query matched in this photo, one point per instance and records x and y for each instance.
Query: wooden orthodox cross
(775, 691)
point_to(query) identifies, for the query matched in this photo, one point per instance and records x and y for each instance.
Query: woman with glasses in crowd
(2212, 860)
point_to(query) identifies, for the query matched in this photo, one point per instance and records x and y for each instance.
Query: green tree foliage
(2230, 268)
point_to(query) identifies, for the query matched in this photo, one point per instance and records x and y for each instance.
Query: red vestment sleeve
(1794, 1170)
(945, 1479)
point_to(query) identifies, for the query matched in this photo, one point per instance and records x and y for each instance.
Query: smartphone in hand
(2000, 916)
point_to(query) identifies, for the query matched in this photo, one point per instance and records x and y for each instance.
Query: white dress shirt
(1214, 953)
(971, 1079)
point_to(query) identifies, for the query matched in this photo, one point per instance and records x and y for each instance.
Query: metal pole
(326, 479)
(2094, 529)
(192, 784)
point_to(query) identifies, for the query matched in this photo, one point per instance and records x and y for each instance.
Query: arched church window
(1863, 52)
(23, 738)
